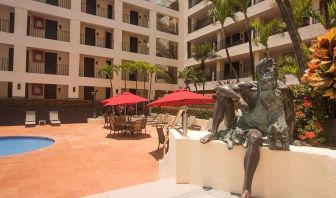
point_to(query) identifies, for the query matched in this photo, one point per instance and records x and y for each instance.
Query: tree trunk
(111, 87)
(203, 79)
(144, 92)
(195, 84)
(288, 17)
(228, 55)
(125, 79)
(187, 85)
(247, 22)
(150, 86)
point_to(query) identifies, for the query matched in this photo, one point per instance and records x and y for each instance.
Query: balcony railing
(141, 49)
(4, 66)
(102, 12)
(200, 24)
(39, 68)
(140, 77)
(97, 73)
(166, 28)
(139, 22)
(172, 4)
(37, 32)
(192, 3)
(60, 3)
(97, 41)
(5, 26)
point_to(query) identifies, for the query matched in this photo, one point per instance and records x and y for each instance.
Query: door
(89, 67)
(134, 17)
(90, 36)
(10, 90)
(108, 93)
(10, 58)
(88, 93)
(11, 22)
(52, 2)
(28, 25)
(50, 91)
(133, 91)
(50, 63)
(51, 28)
(110, 11)
(91, 7)
(27, 60)
(108, 40)
(133, 44)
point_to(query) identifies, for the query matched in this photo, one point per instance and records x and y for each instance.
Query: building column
(73, 90)
(118, 39)
(218, 69)
(75, 31)
(219, 39)
(76, 5)
(20, 24)
(19, 62)
(152, 38)
(18, 89)
(118, 10)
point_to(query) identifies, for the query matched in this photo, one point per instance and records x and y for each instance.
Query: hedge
(197, 112)
(24, 102)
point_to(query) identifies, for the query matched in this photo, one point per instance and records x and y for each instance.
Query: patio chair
(112, 124)
(136, 127)
(143, 123)
(209, 125)
(53, 118)
(106, 120)
(30, 118)
(163, 139)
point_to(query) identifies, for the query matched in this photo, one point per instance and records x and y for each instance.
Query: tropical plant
(189, 75)
(266, 30)
(152, 69)
(125, 68)
(223, 10)
(321, 73)
(310, 115)
(327, 15)
(243, 5)
(287, 65)
(110, 70)
(292, 14)
(201, 53)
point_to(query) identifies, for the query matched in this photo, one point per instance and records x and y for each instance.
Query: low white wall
(301, 172)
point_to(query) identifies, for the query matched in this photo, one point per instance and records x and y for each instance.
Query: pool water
(11, 145)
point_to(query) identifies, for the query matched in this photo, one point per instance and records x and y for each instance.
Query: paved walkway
(165, 189)
(83, 161)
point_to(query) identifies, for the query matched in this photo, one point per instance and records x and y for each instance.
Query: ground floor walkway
(83, 161)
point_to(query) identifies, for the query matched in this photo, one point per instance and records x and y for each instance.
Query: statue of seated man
(266, 110)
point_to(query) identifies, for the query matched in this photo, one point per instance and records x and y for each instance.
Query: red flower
(307, 135)
(300, 114)
(307, 103)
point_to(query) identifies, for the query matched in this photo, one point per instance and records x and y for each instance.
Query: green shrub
(197, 112)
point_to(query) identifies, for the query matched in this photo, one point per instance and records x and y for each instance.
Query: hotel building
(54, 49)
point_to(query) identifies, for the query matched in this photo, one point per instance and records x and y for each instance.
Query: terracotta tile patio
(82, 161)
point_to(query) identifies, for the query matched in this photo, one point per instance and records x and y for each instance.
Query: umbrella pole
(185, 122)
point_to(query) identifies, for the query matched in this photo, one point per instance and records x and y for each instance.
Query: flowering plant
(321, 72)
(310, 115)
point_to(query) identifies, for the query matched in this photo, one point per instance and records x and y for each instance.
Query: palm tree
(125, 68)
(222, 10)
(152, 69)
(189, 75)
(290, 14)
(133, 69)
(243, 5)
(110, 70)
(265, 31)
(201, 53)
(326, 16)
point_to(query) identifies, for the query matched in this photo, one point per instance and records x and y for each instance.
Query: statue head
(267, 74)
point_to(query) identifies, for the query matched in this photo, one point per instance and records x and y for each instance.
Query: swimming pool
(10, 145)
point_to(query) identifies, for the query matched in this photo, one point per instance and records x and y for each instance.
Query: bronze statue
(266, 110)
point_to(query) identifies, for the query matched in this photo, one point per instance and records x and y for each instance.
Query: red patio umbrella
(125, 98)
(181, 98)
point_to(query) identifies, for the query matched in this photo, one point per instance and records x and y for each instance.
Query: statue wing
(288, 101)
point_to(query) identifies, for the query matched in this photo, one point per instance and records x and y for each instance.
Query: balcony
(96, 41)
(96, 74)
(4, 66)
(103, 9)
(6, 26)
(168, 75)
(47, 33)
(42, 68)
(200, 24)
(192, 3)
(135, 21)
(171, 4)
(60, 3)
(140, 77)
(167, 24)
(166, 49)
(135, 48)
